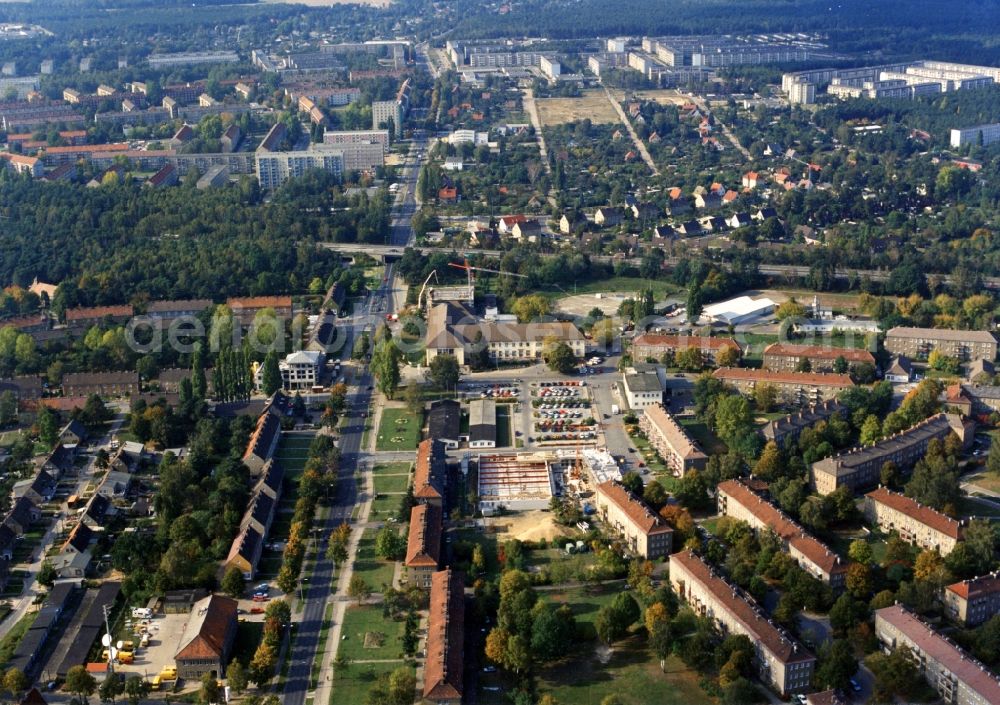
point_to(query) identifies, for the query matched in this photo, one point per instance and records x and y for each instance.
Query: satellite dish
(106, 640)
(112, 654)
(119, 645)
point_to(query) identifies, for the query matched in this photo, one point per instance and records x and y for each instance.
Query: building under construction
(519, 482)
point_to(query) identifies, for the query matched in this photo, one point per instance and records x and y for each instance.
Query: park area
(592, 105)
(368, 636)
(398, 429)
(370, 567)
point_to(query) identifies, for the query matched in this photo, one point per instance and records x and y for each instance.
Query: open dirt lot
(844, 302)
(591, 104)
(582, 304)
(665, 96)
(526, 526)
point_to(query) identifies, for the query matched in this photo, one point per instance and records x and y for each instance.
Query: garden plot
(561, 412)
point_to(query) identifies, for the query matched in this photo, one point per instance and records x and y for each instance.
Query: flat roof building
(782, 662)
(642, 389)
(739, 310)
(957, 677)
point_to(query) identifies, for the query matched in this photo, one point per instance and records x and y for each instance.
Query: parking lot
(165, 632)
(561, 411)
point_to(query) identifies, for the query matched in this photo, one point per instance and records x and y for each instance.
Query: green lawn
(560, 566)
(632, 673)
(384, 507)
(351, 684)
(392, 468)
(392, 483)
(624, 285)
(14, 636)
(368, 619)
(374, 570)
(585, 602)
(968, 506)
(398, 430)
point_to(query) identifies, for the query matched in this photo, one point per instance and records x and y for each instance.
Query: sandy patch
(592, 104)
(527, 526)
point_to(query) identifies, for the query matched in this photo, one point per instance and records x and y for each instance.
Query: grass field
(351, 684)
(398, 430)
(631, 673)
(592, 104)
(373, 569)
(586, 602)
(968, 506)
(14, 636)
(368, 620)
(986, 480)
(384, 507)
(391, 468)
(392, 483)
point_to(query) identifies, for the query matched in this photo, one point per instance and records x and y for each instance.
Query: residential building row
(918, 343)
(445, 649)
(787, 428)
(793, 388)
(914, 522)
(679, 451)
(423, 545)
(644, 531)
(956, 676)
(737, 500)
(972, 602)
(860, 467)
(786, 357)
(255, 526)
(781, 661)
(654, 346)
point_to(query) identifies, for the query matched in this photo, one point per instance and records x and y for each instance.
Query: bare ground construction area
(592, 104)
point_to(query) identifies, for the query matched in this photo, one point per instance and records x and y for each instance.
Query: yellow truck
(169, 673)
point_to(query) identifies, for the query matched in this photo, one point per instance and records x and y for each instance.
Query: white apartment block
(384, 111)
(339, 138)
(978, 135)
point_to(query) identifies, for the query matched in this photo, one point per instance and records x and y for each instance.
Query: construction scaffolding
(518, 482)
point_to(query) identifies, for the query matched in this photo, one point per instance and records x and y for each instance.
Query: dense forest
(119, 242)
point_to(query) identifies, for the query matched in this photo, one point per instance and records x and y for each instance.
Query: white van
(141, 613)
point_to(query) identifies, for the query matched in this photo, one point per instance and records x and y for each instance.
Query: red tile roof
(827, 560)
(275, 302)
(208, 625)
(424, 485)
(423, 543)
(755, 622)
(83, 314)
(683, 342)
(915, 510)
(817, 379)
(819, 352)
(445, 638)
(88, 148)
(642, 517)
(976, 587)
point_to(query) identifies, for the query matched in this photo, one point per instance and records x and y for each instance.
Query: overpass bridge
(390, 253)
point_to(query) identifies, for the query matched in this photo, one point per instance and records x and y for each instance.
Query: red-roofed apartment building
(785, 357)
(974, 601)
(914, 522)
(737, 500)
(423, 545)
(445, 640)
(957, 677)
(781, 661)
(643, 530)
